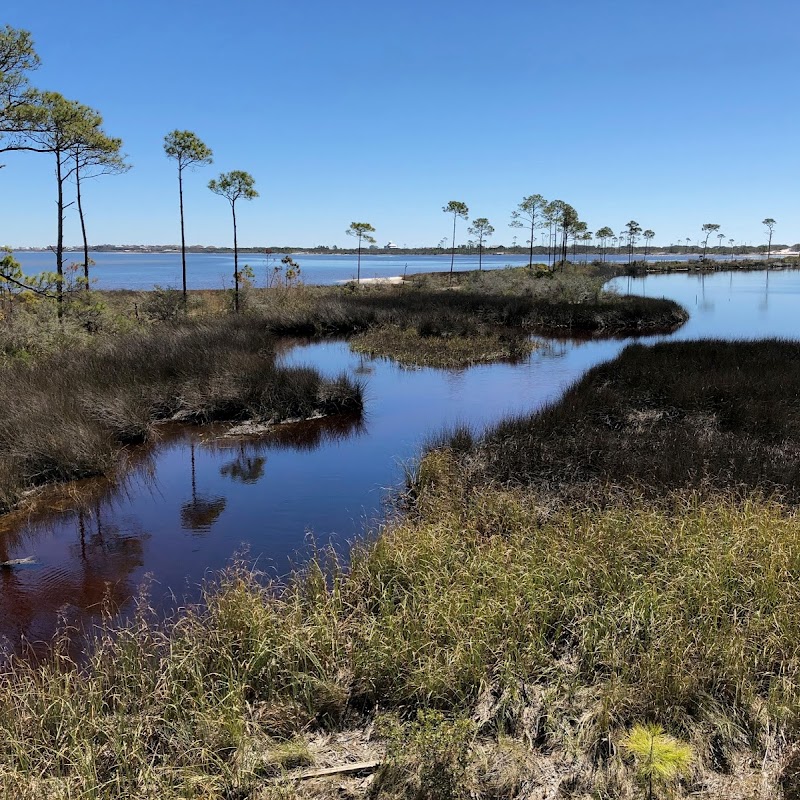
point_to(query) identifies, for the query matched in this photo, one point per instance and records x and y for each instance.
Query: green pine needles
(660, 758)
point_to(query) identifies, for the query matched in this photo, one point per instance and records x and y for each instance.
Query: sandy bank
(394, 280)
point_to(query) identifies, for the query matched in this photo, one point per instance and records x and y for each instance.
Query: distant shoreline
(777, 251)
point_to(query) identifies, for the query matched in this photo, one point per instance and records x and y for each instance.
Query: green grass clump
(411, 348)
(427, 757)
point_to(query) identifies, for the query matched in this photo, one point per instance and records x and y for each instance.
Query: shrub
(163, 304)
(427, 758)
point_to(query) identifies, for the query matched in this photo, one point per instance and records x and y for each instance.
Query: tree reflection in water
(94, 577)
(89, 540)
(244, 468)
(201, 512)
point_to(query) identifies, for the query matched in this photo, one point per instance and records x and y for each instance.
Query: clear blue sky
(671, 113)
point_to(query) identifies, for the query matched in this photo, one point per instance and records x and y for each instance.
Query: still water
(188, 504)
(215, 270)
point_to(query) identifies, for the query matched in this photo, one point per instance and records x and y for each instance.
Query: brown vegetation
(699, 415)
(413, 348)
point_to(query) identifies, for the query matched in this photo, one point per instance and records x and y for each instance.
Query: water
(729, 305)
(194, 500)
(215, 270)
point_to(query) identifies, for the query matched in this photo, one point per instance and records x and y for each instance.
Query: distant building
(392, 246)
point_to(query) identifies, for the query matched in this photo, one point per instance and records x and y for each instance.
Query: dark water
(215, 270)
(187, 505)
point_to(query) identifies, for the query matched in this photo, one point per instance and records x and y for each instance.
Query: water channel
(188, 504)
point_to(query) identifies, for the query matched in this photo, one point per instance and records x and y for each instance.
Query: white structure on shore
(392, 246)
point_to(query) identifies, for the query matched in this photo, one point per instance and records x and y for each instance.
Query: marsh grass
(67, 415)
(700, 415)
(711, 264)
(74, 392)
(561, 629)
(410, 347)
(513, 298)
(517, 298)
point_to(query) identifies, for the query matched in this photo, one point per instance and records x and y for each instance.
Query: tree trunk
(60, 236)
(183, 236)
(769, 247)
(480, 255)
(83, 224)
(453, 249)
(530, 260)
(359, 261)
(235, 261)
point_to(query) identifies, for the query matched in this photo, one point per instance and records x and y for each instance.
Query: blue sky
(673, 114)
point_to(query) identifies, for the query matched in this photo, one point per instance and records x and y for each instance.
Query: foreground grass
(69, 415)
(495, 641)
(541, 636)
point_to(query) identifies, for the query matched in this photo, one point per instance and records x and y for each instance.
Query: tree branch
(34, 289)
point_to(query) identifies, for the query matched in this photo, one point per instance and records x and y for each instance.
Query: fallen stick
(343, 769)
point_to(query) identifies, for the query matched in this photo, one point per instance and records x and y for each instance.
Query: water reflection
(764, 304)
(729, 305)
(80, 576)
(244, 468)
(201, 512)
(90, 545)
